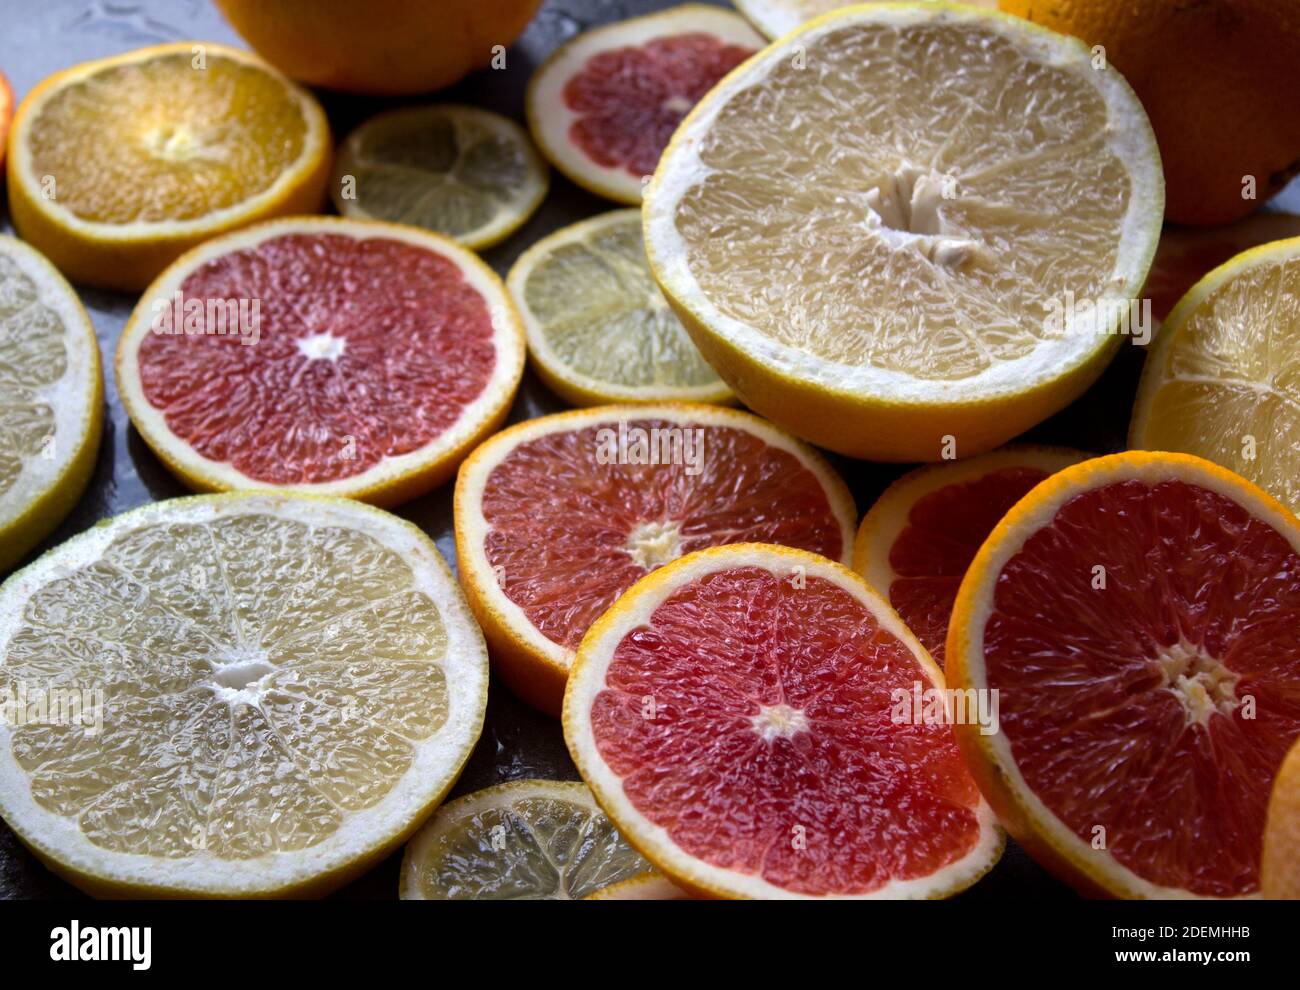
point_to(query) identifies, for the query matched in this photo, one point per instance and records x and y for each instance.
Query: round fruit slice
(646, 887)
(1223, 379)
(915, 543)
(604, 105)
(460, 171)
(558, 516)
(120, 165)
(341, 357)
(525, 840)
(6, 113)
(936, 281)
(1280, 866)
(243, 695)
(1138, 617)
(777, 17)
(51, 399)
(736, 714)
(598, 328)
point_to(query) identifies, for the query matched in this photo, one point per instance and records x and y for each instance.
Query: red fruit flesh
(630, 100)
(560, 520)
(1201, 602)
(945, 529)
(843, 804)
(406, 346)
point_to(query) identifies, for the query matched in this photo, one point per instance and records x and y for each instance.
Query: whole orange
(1220, 80)
(382, 47)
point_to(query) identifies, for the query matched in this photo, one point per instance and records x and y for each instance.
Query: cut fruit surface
(1223, 379)
(1139, 617)
(734, 714)
(915, 543)
(558, 516)
(777, 17)
(119, 166)
(340, 357)
(646, 887)
(51, 399)
(525, 840)
(1280, 866)
(268, 694)
(467, 173)
(926, 281)
(599, 330)
(604, 105)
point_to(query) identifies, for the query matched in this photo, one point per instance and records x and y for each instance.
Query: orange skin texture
(1218, 81)
(381, 47)
(1280, 867)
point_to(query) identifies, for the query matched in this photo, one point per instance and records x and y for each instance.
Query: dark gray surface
(42, 37)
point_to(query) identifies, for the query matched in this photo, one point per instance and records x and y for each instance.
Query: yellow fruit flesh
(928, 239)
(33, 357)
(262, 680)
(163, 139)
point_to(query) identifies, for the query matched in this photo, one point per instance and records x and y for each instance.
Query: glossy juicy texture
(872, 800)
(564, 527)
(366, 349)
(944, 531)
(630, 100)
(1125, 706)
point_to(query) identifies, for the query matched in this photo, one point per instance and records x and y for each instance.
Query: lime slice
(255, 695)
(525, 840)
(467, 173)
(51, 399)
(598, 328)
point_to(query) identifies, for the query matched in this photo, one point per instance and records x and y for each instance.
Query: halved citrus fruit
(645, 887)
(341, 357)
(6, 113)
(51, 399)
(914, 289)
(467, 173)
(604, 105)
(118, 166)
(1138, 616)
(256, 694)
(1223, 378)
(777, 17)
(524, 840)
(1279, 871)
(558, 516)
(735, 714)
(917, 540)
(598, 328)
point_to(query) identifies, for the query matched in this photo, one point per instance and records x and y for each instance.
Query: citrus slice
(120, 165)
(604, 105)
(341, 357)
(525, 840)
(915, 543)
(460, 171)
(598, 328)
(6, 113)
(934, 281)
(735, 715)
(777, 17)
(1280, 865)
(51, 399)
(1138, 616)
(558, 516)
(1223, 378)
(646, 887)
(256, 695)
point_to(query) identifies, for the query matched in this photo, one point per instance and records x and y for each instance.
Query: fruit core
(905, 209)
(779, 722)
(653, 544)
(1202, 684)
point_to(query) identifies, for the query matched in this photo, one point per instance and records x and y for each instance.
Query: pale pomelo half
(646, 887)
(777, 17)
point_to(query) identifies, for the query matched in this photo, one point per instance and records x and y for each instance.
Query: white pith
(496, 395)
(776, 18)
(438, 759)
(634, 611)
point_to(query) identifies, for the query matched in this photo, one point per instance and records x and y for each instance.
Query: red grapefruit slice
(915, 543)
(603, 106)
(735, 715)
(558, 516)
(340, 357)
(1139, 617)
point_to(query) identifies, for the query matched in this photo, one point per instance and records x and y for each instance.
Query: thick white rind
(1128, 134)
(438, 761)
(588, 680)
